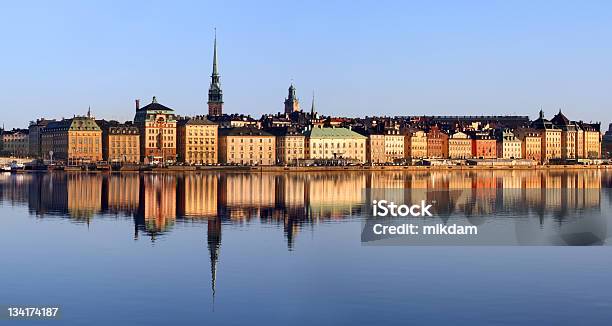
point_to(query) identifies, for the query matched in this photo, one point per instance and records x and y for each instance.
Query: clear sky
(360, 57)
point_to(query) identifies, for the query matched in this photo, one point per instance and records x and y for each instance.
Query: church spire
(312, 107)
(215, 71)
(215, 94)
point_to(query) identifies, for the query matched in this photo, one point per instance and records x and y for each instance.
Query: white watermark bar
(487, 216)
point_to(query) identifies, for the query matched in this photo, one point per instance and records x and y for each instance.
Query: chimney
(137, 104)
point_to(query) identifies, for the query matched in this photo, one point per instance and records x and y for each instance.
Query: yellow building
(569, 136)
(550, 138)
(120, 142)
(394, 145)
(531, 144)
(197, 140)
(375, 148)
(592, 140)
(289, 145)
(508, 146)
(74, 141)
(246, 146)
(415, 143)
(335, 143)
(459, 146)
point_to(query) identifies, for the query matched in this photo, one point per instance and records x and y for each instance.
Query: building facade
(550, 137)
(437, 143)
(120, 142)
(569, 136)
(246, 146)
(592, 140)
(531, 144)
(459, 146)
(415, 144)
(72, 141)
(34, 137)
(157, 126)
(394, 145)
(197, 141)
(484, 145)
(16, 142)
(334, 144)
(508, 146)
(289, 145)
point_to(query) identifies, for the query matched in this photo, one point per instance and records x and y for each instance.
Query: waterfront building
(607, 143)
(460, 146)
(292, 103)
(120, 142)
(550, 138)
(215, 93)
(197, 140)
(592, 140)
(415, 143)
(437, 143)
(34, 136)
(394, 145)
(73, 141)
(335, 143)
(16, 142)
(508, 146)
(569, 136)
(531, 143)
(484, 144)
(246, 146)
(289, 145)
(375, 145)
(157, 126)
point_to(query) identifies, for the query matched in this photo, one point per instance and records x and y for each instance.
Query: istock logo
(385, 208)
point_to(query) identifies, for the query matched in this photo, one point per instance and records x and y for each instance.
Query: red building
(484, 145)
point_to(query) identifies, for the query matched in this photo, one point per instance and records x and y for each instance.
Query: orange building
(74, 141)
(484, 145)
(437, 143)
(157, 126)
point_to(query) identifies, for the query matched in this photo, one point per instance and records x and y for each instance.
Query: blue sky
(360, 57)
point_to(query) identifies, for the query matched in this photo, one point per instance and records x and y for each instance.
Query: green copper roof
(333, 133)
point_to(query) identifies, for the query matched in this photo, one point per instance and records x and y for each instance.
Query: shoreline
(306, 169)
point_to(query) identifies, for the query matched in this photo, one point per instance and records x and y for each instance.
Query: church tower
(215, 94)
(291, 102)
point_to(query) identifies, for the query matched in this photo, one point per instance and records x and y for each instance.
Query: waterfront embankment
(306, 169)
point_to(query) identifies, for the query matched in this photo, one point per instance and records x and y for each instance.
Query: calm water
(285, 249)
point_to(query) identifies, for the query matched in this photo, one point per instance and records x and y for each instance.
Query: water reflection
(158, 201)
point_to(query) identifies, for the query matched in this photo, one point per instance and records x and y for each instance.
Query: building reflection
(292, 202)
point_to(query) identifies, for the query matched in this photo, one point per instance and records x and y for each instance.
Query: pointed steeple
(541, 114)
(89, 112)
(215, 71)
(312, 107)
(214, 243)
(215, 94)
